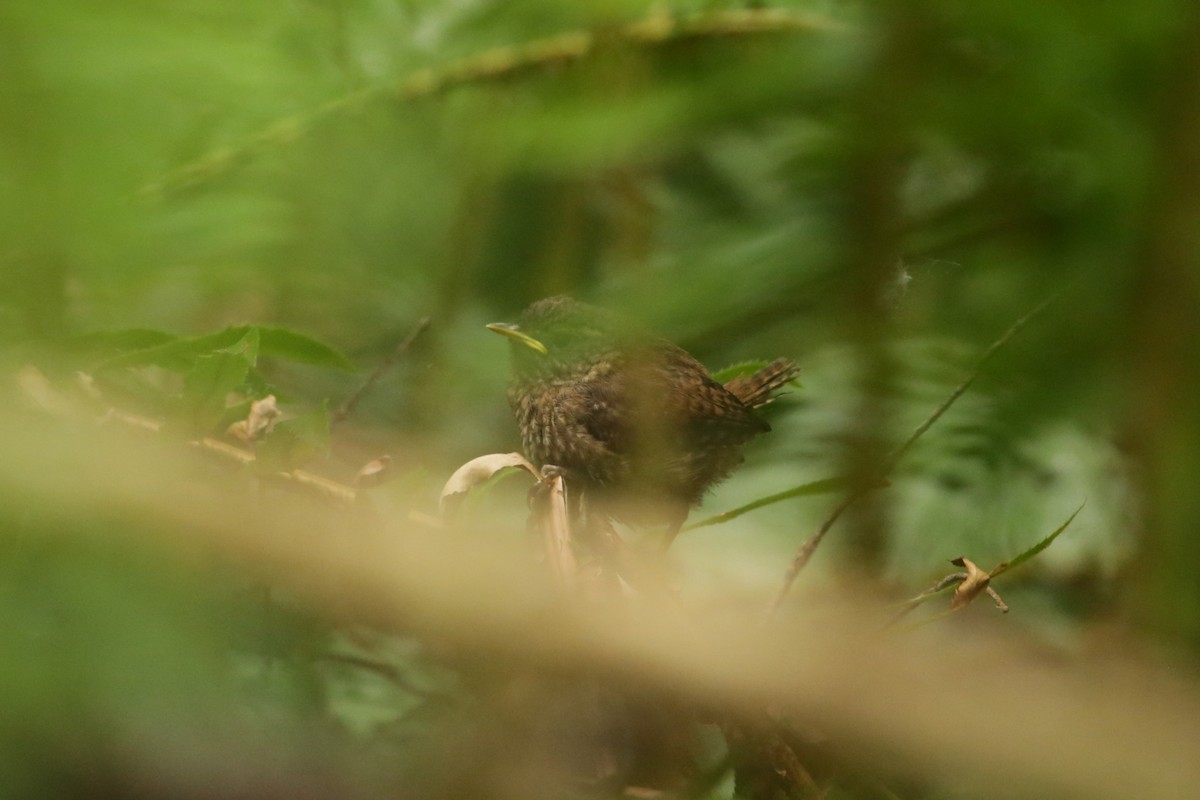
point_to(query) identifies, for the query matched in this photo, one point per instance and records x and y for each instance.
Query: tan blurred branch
(41, 393)
(1105, 725)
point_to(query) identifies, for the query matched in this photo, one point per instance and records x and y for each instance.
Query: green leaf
(295, 441)
(138, 392)
(741, 369)
(64, 355)
(823, 486)
(291, 346)
(123, 339)
(179, 355)
(738, 370)
(208, 384)
(101, 344)
(1039, 547)
(947, 585)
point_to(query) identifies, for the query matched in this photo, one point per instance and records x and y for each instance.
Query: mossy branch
(496, 64)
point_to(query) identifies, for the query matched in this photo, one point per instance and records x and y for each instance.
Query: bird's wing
(708, 409)
(758, 389)
(664, 399)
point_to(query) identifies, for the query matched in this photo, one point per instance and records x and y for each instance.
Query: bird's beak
(513, 332)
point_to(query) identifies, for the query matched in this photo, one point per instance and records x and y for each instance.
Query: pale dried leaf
(374, 472)
(88, 385)
(558, 533)
(478, 470)
(40, 392)
(262, 416)
(975, 583)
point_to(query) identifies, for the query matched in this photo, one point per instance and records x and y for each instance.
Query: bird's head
(558, 337)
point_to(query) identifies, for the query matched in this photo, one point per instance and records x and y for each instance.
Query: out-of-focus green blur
(877, 190)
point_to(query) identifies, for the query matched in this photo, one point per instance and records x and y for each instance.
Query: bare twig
(805, 552)
(996, 598)
(348, 406)
(941, 585)
(329, 490)
(332, 491)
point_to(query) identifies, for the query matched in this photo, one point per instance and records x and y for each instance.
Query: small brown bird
(636, 423)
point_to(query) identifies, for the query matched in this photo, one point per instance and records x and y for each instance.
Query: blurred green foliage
(224, 198)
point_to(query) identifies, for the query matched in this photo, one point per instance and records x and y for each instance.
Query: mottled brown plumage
(636, 422)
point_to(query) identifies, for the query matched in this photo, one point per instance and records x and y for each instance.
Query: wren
(636, 424)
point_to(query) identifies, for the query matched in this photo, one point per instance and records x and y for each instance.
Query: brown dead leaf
(374, 472)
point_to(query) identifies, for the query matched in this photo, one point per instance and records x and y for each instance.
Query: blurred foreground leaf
(154, 348)
(213, 377)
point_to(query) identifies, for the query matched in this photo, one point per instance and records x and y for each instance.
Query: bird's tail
(758, 389)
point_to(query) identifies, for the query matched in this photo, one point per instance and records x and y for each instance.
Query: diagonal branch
(348, 406)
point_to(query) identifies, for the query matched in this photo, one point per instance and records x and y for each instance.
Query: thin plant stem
(348, 406)
(805, 552)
